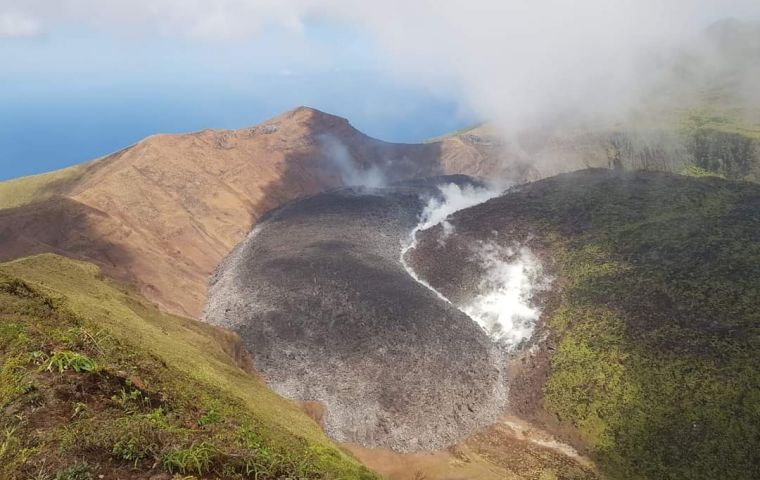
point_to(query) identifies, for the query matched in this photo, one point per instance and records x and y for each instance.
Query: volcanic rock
(319, 295)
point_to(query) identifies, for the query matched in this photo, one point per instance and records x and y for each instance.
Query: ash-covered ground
(321, 298)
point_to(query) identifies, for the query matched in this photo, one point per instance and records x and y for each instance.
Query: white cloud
(515, 61)
(18, 25)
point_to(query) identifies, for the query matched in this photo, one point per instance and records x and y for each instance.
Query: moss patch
(659, 323)
(656, 316)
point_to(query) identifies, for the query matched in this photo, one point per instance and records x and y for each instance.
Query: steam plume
(351, 174)
(503, 306)
(453, 198)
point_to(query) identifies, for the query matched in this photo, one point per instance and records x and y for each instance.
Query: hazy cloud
(515, 61)
(18, 25)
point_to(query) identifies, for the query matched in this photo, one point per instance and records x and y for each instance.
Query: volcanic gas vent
(499, 294)
(494, 278)
(318, 294)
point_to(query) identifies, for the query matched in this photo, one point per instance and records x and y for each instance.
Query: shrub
(65, 360)
(211, 417)
(129, 450)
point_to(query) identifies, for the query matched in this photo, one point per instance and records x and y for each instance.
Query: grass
(657, 324)
(94, 380)
(78, 471)
(66, 360)
(455, 133)
(695, 171)
(719, 142)
(36, 188)
(727, 121)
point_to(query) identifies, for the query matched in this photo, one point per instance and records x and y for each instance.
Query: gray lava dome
(321, 300)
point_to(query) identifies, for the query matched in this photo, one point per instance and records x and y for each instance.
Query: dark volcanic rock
(318, 294)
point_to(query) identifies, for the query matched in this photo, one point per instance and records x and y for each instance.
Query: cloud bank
(518, 62)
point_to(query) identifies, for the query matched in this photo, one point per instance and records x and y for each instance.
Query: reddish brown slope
(163, 212)
(532, 155)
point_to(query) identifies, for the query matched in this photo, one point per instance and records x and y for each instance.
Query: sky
(82, 78)
(74, 94)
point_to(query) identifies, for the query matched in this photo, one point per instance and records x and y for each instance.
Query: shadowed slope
(163, 213)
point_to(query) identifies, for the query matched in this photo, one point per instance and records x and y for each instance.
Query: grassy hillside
(36, 188)
(717, 141)
(96, 381)
(658, 322)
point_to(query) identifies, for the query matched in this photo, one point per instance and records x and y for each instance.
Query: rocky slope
(646, 338)
(318, 294)
(655, 273)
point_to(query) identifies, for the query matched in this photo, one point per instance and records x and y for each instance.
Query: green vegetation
(695, 171)
(36, 188)
(718, 142)
(78, 471)
(696, 142)
(461, 131)
(658, 321)
(96, 381)
(65, 360)
(728, 121)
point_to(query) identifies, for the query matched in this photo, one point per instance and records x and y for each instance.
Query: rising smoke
(452, 198)
(351, 173)
(503, 305)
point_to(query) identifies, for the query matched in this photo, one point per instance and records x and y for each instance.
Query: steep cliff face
(319, 295)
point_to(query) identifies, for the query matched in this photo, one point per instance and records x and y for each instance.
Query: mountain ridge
(161, 213)
(170, 206)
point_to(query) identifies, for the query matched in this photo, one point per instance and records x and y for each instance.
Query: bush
(210, 418)
(67, 359)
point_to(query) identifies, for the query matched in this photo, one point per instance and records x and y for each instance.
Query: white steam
(343, 162)
(17, 25)
(453, 198)
(502, 307)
